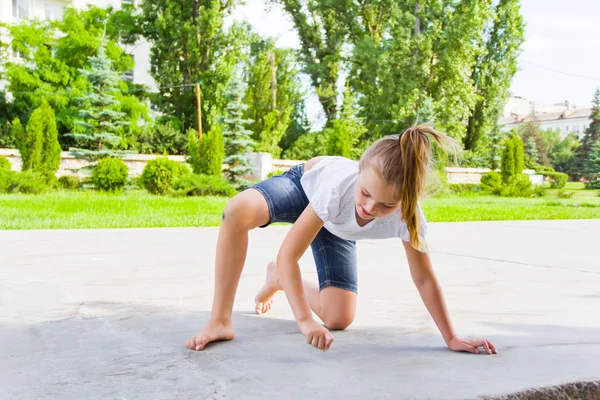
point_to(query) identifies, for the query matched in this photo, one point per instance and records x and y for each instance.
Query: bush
(206, 157)
(518, 186)
(544, 170)
(161, 138)
(559, 180)
(40, 150)
(563, 194)
(462, 189)
(160, 175)
(110, 175)
(538, 191)
(203, 185)
(4, 163)
(22, 182)
(491, 182)
(277, 172)
(308, 146)
(68, 182)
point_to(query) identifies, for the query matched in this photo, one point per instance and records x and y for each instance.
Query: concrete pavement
(104, 314)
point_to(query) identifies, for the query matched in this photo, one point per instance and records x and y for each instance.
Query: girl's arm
(431, 294)
(303, 232)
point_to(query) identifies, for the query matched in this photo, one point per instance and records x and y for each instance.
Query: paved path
(104, 314)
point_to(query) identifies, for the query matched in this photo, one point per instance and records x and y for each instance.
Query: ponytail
(404, 161)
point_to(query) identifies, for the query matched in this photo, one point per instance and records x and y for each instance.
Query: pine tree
(584, 156)
(100, 121)
(39, 148)
(531, 153)
(237, 138)
(591, 167)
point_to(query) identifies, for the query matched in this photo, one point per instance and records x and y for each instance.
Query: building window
(20, 8)
(53, 12)
(567, 129)
(130, 2)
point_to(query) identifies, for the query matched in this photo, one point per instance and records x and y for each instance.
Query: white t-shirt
(329, 186)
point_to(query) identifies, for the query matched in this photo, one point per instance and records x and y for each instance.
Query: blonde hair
(404, 161)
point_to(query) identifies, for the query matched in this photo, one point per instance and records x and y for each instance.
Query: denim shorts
(335, 257)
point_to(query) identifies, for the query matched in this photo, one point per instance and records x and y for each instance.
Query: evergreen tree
(206, 157)
(519, 156)
(584, 159)
(237, 138)
(100, 121)
(40, 150)
(507, 167)
(531, 153)
(591, 169)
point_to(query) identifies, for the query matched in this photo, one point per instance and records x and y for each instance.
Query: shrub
(543, 169)
(4, 163)
(277, 172)
(40, 150)
(491, 182)
(559, 180)
(159, 175)
(22, 182)
(518, 186)
(203, 185)
(464, 188)
(563, 194)
(110, 175)
(206, 157)
(161, 138)
(68, 182)
(538, 191)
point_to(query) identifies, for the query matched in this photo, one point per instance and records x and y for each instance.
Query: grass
(72, 210)
(492, 208)
(80, 209)
(577, 187)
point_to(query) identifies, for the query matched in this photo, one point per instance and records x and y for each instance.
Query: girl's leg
(334, 306)
(244, 212)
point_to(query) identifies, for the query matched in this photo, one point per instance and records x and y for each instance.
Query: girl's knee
(246, 210)
(339, 322)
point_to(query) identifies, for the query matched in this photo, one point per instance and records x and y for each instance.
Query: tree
(53, 54)
(237, 138)
(206, 157)
(345, 134)
(189, 45)
(322, 34)
(584, 159)
(40, 150)
(99, 121)
(563, 153)
(531, 153)
(508, 165)
(274, 92)
(591, 168)
(519, 155)
(494, 69)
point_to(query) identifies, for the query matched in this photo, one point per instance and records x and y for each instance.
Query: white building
(12, 11)
(577, 120)
(565, 117)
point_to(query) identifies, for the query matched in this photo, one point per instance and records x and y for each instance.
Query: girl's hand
(471, 345)
(316, 335)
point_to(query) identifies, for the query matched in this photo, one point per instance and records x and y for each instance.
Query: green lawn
(70, 210)
(577, 187)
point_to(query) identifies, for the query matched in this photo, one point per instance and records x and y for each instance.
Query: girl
(333, 201)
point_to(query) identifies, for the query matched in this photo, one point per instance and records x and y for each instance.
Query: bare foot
(264, 298)
(212, 332)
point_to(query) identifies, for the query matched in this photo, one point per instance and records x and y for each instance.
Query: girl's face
(373, 197)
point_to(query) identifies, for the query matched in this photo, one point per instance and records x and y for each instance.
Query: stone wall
(68, 164)
(264, 164)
